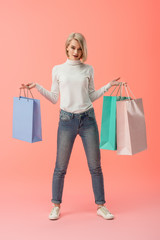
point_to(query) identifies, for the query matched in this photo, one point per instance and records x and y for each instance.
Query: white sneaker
(55, 212)
(104, 212)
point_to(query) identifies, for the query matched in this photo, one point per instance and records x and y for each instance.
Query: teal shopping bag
(26, 119)
(108, 122)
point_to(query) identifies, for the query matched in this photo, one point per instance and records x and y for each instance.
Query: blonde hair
(82, 42)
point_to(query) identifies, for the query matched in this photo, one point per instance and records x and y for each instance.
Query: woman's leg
(90, 138)
(65, 140)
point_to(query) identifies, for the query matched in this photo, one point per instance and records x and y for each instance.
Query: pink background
(123, 40)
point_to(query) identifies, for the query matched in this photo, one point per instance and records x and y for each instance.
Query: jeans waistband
(77, 114)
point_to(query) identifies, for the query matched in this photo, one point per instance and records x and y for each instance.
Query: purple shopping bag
(26, 119)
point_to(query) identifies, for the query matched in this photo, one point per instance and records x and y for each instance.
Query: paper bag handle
(115, 89)
(120, 88)
(25, 93)
(126, 86)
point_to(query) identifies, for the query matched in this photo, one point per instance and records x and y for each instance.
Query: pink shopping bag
(131, 127)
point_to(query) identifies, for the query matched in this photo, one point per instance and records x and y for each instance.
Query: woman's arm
(52, 95)
(93, 94)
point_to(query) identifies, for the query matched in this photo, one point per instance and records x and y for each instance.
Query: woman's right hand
(28, 85)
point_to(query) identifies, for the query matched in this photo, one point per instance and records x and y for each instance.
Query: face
(74, 50)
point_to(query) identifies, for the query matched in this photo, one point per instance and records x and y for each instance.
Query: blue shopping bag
(26, 119)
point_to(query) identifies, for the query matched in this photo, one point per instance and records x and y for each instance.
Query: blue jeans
(84, 124)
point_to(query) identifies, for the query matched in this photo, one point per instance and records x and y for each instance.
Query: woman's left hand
(114, 82)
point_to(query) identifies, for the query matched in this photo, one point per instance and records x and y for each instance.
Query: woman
(74, 80)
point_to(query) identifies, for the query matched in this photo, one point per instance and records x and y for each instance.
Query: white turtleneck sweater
(74, 81)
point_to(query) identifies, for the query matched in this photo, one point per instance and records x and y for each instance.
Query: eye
(80, 49)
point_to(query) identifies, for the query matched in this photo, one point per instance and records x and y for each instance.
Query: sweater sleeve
(52, 95)
(93, 94)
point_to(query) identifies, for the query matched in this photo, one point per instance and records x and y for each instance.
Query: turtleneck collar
(73, 62)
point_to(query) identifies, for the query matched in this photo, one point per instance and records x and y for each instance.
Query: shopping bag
(131, 127)
(108, 123)
(108, 139)
(26, 119)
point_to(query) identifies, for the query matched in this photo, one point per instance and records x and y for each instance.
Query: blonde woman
(73, 80)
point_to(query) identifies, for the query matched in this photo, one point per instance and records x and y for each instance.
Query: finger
(29, 84)
(24, 86)
(117, 79)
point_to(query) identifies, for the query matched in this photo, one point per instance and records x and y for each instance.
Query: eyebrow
(74, 46)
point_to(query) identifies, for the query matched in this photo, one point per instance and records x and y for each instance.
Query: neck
(73, 62)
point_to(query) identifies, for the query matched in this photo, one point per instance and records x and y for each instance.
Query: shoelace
(55, 209)
(104, 210)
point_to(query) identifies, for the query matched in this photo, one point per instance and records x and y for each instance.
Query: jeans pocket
(91, 115)
(64, 116)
